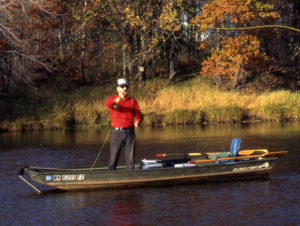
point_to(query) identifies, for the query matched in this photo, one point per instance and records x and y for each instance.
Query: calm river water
(274, 201)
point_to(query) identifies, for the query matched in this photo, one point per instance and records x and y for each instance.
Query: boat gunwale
(122, 169)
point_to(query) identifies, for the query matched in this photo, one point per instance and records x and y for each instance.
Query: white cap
(123, 82)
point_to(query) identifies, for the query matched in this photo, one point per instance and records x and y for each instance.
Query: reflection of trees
(125, 210)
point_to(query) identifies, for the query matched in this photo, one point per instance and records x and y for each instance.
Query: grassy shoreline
(191, 102)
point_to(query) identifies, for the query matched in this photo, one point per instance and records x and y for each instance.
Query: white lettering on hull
(65, 177)
(265, 165)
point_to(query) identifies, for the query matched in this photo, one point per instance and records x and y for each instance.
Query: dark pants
(118, 139)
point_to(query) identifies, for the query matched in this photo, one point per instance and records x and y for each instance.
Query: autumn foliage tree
(94, 41)
(238, 57)
(149, 27)
(236, 53)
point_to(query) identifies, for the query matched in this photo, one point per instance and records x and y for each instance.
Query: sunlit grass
(225, 106)
(278, 105)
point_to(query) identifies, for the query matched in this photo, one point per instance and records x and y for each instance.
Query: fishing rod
(101, 148)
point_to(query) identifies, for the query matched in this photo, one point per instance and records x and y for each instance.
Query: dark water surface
(274, 201)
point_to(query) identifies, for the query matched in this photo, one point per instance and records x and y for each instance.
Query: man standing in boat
(123, 109)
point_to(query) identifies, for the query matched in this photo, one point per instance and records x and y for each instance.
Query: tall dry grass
(218, 105)
(194, 101)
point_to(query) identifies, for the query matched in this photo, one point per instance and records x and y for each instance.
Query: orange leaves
(239, 53)
(108, 46)
(218, 12)
(203, 45)
(170, 19)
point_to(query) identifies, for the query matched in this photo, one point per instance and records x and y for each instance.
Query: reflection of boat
(203, 169)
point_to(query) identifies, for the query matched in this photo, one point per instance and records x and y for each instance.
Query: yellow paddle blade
(244, 152)
(253, 152)
(195, 154)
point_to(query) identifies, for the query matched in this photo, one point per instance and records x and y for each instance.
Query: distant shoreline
(192, 102)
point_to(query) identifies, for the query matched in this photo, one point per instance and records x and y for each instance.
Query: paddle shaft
(188, 154)
(270, 154)
(241, 152)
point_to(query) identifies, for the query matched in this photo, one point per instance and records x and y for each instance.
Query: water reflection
(148, 134)
(126, 209)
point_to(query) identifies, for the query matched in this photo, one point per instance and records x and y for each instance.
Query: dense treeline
(94, 41)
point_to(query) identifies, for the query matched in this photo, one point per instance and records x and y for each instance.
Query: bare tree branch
(21, 46)
(32, 58)
(8, 33)
(6, 5)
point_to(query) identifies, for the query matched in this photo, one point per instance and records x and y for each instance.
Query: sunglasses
(124, 87)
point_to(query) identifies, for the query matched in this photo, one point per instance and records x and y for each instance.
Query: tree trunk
(82, 56)
(236, 77)
(61, 52)
(172, 71)
(124, 62)
(219, 80)
(82, 68)
(152, 67)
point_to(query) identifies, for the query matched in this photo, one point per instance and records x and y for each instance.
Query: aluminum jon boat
(212, 167)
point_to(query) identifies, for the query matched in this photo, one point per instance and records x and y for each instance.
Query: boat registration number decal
(65, 177)
(265, 165)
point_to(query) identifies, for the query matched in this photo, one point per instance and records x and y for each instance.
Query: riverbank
(192, 102)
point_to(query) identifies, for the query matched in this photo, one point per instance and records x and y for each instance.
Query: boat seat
(234, 150)
(235, 147)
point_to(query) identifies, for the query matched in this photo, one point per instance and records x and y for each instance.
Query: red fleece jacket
(124, 115)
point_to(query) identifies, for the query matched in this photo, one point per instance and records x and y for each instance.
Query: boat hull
(100, 178)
